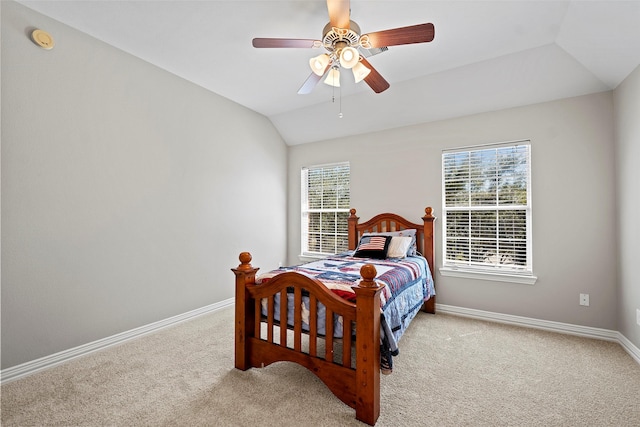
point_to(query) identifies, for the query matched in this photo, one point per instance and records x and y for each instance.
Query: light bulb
(360, 71)
(319, 64)
(349, 57)
(333, 78)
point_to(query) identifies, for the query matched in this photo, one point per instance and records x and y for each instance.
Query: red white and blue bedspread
(408, 284)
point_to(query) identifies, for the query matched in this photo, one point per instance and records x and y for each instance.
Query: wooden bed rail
(356, 384)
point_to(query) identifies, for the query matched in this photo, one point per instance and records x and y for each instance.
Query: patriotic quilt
(408, 284)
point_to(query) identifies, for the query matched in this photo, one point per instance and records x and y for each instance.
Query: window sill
(483, 275)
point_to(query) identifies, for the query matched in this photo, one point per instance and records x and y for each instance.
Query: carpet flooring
(451, 371)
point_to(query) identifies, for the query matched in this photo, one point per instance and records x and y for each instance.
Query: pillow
(411, 232)
(373, 247)
(398, 246)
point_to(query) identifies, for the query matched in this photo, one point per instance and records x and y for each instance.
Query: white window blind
(487, 208)
(325, 209)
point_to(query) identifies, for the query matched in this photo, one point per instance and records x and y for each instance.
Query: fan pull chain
(333, 99)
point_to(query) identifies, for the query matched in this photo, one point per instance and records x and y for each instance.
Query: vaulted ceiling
(486, 55)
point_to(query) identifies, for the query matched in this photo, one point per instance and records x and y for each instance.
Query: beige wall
(573, 191)
(627, 127)
(127, 192)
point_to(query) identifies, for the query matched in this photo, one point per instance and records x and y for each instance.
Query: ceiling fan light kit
(344, 43)
(319, 63)
(333, 78)
(360, 72)
(349, 57)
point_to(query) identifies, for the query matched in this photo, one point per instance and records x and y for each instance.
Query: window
(487, 209)
(325, 209)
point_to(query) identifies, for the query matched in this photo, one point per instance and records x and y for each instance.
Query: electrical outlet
(584, 299)
(638, 316)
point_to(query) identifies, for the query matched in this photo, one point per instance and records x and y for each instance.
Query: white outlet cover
(638, 316)
(584, 299)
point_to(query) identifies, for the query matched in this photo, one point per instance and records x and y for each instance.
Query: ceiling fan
(345, 45)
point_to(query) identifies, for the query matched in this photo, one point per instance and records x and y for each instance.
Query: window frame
(338, 233)
(469, 268)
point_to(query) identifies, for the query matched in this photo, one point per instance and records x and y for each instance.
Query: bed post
(368, 346)
(245, 316)
(353, 230)
(429, 219)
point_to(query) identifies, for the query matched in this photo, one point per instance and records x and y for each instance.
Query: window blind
(487, 207)
(325, 209)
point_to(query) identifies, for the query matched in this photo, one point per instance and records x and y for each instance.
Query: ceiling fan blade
(374, 79)
(421, 33)
(339, 13)
(309, 84)
(270, 42)
(312, 81)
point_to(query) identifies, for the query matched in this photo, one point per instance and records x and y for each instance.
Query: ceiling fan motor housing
(334, 39)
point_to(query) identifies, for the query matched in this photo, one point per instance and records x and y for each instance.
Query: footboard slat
(297, 319)
(269, 319)
(313, 326)
(284, 302)
(258, 316)
(328, 337)
(346, 342)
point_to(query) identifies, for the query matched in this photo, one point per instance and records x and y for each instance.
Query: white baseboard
(547, 325)
(629, 347)
(28, 368)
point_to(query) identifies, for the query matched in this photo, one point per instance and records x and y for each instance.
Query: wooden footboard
(262, 340)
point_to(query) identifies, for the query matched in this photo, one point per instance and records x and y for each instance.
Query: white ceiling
(487, 55)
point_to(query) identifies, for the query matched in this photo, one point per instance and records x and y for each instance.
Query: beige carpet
(451, 371)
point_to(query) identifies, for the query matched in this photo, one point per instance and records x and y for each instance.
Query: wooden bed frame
(261, 341)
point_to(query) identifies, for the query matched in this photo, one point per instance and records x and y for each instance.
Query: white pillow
(398, 247)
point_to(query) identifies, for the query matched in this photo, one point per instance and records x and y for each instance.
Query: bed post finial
(368, 273)
(245, 261)
(428, 212)
(352, 222)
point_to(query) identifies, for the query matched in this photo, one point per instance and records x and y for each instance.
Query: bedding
(408, 284)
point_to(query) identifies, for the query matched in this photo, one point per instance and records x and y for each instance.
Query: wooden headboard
(391, 222)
